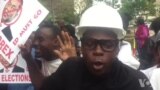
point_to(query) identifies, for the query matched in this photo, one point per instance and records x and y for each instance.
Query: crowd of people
(103, 61)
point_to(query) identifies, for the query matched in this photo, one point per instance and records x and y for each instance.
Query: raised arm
(67, 47)
(35, 73)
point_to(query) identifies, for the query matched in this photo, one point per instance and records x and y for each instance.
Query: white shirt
(153, 75)
(148, 72)
(155, 79)
(126, 57)
(49, 67)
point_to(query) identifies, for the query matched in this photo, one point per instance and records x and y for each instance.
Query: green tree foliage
(66, 9)
(109, 2)
(138, 7)
(80, 7)
(60, 10)
(51, 15)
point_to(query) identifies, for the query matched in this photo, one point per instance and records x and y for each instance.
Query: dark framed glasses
(106, 45)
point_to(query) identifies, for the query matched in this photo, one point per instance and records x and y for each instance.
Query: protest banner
(16, 72)
(14, 78)
(18, 18)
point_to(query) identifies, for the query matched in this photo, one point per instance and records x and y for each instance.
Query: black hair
(125, 19)
(70, 30)
(155, 25)
(140, 21)
(49, 24)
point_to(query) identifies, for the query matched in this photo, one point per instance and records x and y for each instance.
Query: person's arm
(54, 82)
(62, 78)
(35, 73)
(67, 50)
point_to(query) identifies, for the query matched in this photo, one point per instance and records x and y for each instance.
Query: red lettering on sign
(6, 50)
(9, 78)
(25, 28)
(15, 41)
(3, 78)
(10, 52)
(15, 78)
(37, 14)
(2, 43)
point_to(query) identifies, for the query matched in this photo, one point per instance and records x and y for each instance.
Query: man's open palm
(67, 47)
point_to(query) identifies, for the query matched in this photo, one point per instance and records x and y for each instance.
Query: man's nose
(98, 51)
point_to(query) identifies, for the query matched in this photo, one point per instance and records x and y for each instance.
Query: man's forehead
(45, 31)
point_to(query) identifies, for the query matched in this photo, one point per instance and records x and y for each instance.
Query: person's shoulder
(137, 78)
(66, 71)
(149, 69)
(73, 61)
(148, 72)
(132, 73)
(71, 64)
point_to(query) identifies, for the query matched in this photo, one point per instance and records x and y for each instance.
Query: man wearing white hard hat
(100, 30)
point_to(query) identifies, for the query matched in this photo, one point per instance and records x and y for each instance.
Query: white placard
(18, 18)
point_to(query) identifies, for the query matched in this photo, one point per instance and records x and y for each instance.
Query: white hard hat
(101, 16)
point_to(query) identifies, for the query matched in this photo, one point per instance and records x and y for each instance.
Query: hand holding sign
(26, 50)
(67, 47)
(27, 47)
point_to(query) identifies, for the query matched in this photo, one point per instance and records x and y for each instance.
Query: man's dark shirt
(74, 75)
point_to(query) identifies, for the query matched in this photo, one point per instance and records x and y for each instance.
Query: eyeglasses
(106, 45)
